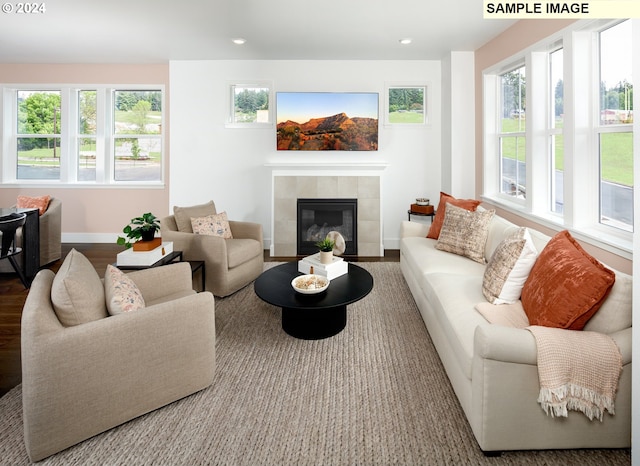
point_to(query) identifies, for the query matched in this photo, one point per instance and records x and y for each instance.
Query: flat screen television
(346, 121)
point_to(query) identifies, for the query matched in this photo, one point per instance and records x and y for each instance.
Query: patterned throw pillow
(41, 203)
(121, 293)
(438, 219)
(509, 268)
(212, 225)
(464, 232)
(566, 285)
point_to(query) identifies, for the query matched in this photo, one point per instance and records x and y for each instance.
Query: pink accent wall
(518, 37)
(100, 209)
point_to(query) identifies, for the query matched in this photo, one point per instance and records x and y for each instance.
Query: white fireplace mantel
(325, 168)
(329, 165)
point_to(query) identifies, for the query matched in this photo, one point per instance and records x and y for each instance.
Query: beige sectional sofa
(493, 368)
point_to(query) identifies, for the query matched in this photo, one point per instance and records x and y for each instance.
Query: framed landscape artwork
(346, 121)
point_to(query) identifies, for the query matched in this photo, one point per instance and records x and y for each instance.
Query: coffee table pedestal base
(314, 324)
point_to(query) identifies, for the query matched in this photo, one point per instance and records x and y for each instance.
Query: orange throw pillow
(41, 203)
(566, 285)
(438, 220)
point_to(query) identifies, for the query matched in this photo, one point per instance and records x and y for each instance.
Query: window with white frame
(38, 134)
(250, 104)
(406, 105)
(556, 136)
(87, 132)
(512, 136)
(70, 135)
(615, 127)
(137, 135)
(580, 170)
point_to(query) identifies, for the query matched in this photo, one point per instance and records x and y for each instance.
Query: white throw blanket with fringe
(578, 371)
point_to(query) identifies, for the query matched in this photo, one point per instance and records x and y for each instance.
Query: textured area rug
(375, 394)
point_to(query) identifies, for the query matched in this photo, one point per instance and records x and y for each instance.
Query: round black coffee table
(312, 317)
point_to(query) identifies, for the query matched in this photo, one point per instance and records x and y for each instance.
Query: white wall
(458, 124)
(447, 129)
(462, 100)
(211, 161)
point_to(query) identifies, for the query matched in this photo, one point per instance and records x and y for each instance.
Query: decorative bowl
(310, 284)
(422, 201)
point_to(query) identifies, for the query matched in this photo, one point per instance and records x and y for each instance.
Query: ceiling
(156, 31)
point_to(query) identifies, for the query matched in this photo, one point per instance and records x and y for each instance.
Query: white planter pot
(326, 257)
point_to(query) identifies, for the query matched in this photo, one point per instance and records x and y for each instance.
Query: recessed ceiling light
(239, 41)
(406, 41)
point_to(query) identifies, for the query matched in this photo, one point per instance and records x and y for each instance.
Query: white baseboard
(392, 243)
(89, 237)
(108, 238)
(389, 243)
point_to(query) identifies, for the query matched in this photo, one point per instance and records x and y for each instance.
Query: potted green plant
(326, 250)
(139, 228)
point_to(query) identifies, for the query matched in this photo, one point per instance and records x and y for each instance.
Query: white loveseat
(493, 368)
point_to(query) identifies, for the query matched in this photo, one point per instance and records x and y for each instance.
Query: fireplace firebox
(317, 217)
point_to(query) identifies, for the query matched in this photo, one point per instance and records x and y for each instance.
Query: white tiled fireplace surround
(319, 181)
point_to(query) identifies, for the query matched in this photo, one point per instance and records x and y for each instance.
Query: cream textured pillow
(77, 293)
(616, 313)
(509, 267)
(464, 232)
(212, 225)
(122, 294)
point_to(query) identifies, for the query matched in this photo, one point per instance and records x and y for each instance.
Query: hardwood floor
(13, 295)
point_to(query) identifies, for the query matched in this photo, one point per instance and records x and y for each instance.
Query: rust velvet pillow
(438, 220)
(566, 285)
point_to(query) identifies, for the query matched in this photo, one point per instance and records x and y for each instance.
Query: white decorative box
(144, 258)
(337, 267)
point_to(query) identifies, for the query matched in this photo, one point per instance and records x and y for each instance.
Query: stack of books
(135, 257)
(337, 267)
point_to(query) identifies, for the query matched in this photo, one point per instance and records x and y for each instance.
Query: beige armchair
(51, 233)
(83, 379)
(50, 237)
(230, 264)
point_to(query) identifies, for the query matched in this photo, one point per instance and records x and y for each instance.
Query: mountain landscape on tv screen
(336, 132)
